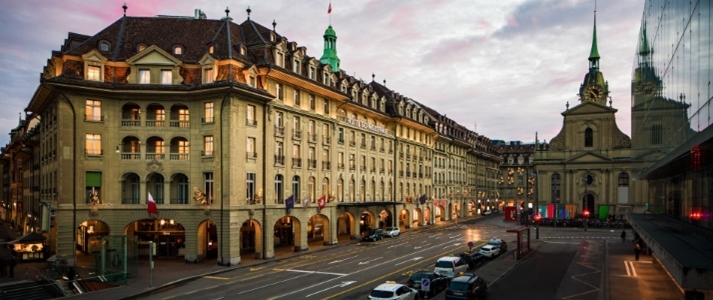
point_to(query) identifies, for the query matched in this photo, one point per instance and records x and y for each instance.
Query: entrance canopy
(30, 238)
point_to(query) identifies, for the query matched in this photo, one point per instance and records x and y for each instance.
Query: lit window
(178, 50)
(208, 145)
(251, 115)
(311, 102)
(93, 73)
(211, 49)
(141, 47)
(208, 112)
(93, 110)
(209, 76)
(144, 76)
(251, 146)
(93, 144)
(296, 97)
(278, 91)
(166, 77)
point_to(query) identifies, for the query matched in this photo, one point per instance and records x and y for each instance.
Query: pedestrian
(637, 250)
(13, 262)
(2, 267)
(623, 236)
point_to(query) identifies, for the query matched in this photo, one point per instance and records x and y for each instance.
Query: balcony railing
(363, 169)
(252, 155)
(352, 143)
(340, 140)
(130, 123)
(381, 170)
(312, 163)
(401, 173)
(280, 160)
(130, 200)
(92, 118)
(340, 166)
(363, 145)
(180, 200)
(155, 123)
(130, 156)
(179, 156)
(381, 149)
(401, 155)
(155, 156)
(391, 151)
(325, 165)
(373, 170)
(352, 167)
(372, 148)
(296, 134)
(179, 124)
(311, 137)
(279, 130)
(208, 120)
(326, 139)
(206, 152)
(296, 162)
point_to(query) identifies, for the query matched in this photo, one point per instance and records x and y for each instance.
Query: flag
(152, 206)
(290, 202)
(321, 201)
(422, 200)
(306, 201)
(329, 11)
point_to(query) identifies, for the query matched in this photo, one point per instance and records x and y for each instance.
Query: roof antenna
(124, 7)
(249, 11)
(372, 76)
(384, 82)
(273, 25)
(227, 13)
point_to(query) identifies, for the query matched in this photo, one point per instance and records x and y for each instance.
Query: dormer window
(211, 49)
(296, 66)
(325, 78)
(311, 73)
(140, 47)
(166, 77)
(94, 73)
(272, 37)
(104, 46)
(243, 50)
(144, 76)
(280, 59)
(209, 76)
(178, 50)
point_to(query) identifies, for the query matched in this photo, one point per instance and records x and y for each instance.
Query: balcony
(408, 174)
(208, 120)
(362, 168)
(401, 173)
(326, 165)
(408, 156)
(420, 175)
(381, 171)
(179, 124)
(296, 162)
(352, 168)
(179, 156)
(372, 148)
(340, 140)
(251, 122)
(362, 145)
(311, 137)
(340, 166)
(326, 140)
(280, 130)
(155, 156)
(352, 143)
(206, 152)
(312, 163)
(92, 118)
(296, 134)
(391, 151)
(279, 160)
(252, 155)
(179, 200)
(130, 123)
(401, 154)
(381, 149)
(130, 156)
(129, 200)
(373, 170)
(155, 123)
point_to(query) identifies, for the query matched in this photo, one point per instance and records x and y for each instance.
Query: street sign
(425, 285)
(470, 246)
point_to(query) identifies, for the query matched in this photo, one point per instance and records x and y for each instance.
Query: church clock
(593, 93)
(645, 88)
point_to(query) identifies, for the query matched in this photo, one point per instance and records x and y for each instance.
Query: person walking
(637, 250)
(623, 236)
(13, 262)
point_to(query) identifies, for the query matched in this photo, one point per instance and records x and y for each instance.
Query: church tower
(329, 56)
(594, 88)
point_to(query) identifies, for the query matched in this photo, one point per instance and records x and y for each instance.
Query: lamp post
(585, 211)
(538, 217)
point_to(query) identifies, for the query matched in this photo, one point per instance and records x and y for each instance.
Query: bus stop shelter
(522, 245)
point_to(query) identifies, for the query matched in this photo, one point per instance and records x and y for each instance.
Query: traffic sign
(425, 285)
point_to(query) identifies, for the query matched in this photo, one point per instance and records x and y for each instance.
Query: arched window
(312, 189)
(623, 179)
(352, 187)
(340, 190)
(296, 188)
(278, 189)
(555, 188)
(325, 187)
(588, 137)
(362, 190)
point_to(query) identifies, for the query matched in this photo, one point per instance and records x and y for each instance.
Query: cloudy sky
(505, 68)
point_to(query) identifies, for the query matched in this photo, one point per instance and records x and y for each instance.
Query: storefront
(29, 247)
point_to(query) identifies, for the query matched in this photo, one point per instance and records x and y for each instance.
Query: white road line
(271, 284)
(341, 260)
(626, 265)
(630, 266)
(316, 272)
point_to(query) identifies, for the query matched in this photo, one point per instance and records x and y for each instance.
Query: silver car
(489, 251)
(392, 231)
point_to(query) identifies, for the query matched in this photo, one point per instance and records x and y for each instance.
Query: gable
(153, 56)
(588, 157)
(94, 56)
(589, 108)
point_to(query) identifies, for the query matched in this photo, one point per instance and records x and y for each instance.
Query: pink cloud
(512, 22)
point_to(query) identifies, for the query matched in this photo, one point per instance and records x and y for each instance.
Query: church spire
(594, 54)
(329, 56)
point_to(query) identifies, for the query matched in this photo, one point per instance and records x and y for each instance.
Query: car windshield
(419, 276)
(444, 264)
(459, 286)
(486, 248)
(382, 294)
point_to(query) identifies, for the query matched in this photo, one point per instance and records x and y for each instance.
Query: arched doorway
(207, 241)
(88, 234)
(403, 219)
(440, 214)
(345, 226)
(165, 233)
(427, 216)
(287, 234)
(318, 230)
(385, 219)
(250, 234)
(471, 208)
(417, 217)
(366, 222)
(588, 204)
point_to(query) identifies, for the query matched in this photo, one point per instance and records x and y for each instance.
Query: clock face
(593, 93)
(645, 88)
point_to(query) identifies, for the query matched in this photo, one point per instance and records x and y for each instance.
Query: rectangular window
(94, 73)
(326, 106)
(93, 186)
(296, 66)
(209, 76)
(183, 150)
(251, 115)
(296, 151)
(296, 97)
(208, 112)
(93, 144)
(208, 145)
(312, 105)
(311, 73)
(280, 59)
(166, 77)
(252, 81)
(250, 187)
(251, 147)
(144, 76)
(278, 91)
(208, 186)
(340, 135)
(93, 110)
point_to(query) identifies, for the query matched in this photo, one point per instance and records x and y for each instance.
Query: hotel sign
(368, 126)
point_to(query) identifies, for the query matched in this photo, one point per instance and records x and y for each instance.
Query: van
(450, 266)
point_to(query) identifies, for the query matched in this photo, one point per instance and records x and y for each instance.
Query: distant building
(517, 177)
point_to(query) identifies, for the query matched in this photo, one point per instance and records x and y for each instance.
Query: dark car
(374, 235)
(467, 287)
(473, 258)
(438, 282)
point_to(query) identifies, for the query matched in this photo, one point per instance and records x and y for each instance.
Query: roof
(465, 278)
(388, 287)
(449, 258)
(29, 238)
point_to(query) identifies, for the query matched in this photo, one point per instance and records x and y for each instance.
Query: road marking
(413, 259)
(344, 283)
(341, 260)
(630, 270)
(216, 277)
(368, 261)
(316, 272)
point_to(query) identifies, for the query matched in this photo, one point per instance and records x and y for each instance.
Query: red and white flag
(322, 201)
(329, 11)
(152, 206)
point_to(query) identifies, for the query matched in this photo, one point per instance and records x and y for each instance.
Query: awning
(30, 238)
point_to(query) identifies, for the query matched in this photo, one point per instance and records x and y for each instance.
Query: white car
(393, 290)
(489, 251)
(392, 231)
(450, 266)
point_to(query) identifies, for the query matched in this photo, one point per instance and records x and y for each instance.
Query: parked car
(438, 282)
(472, 258)
(495, 211)
(450, 266)
(489, 251)
(393, 290)
(468, 286)
(485, 213)
(502, 244)
(392, 231)
(374, 235)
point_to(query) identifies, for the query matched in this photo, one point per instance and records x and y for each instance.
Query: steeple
(329, 56)
(594, 54)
